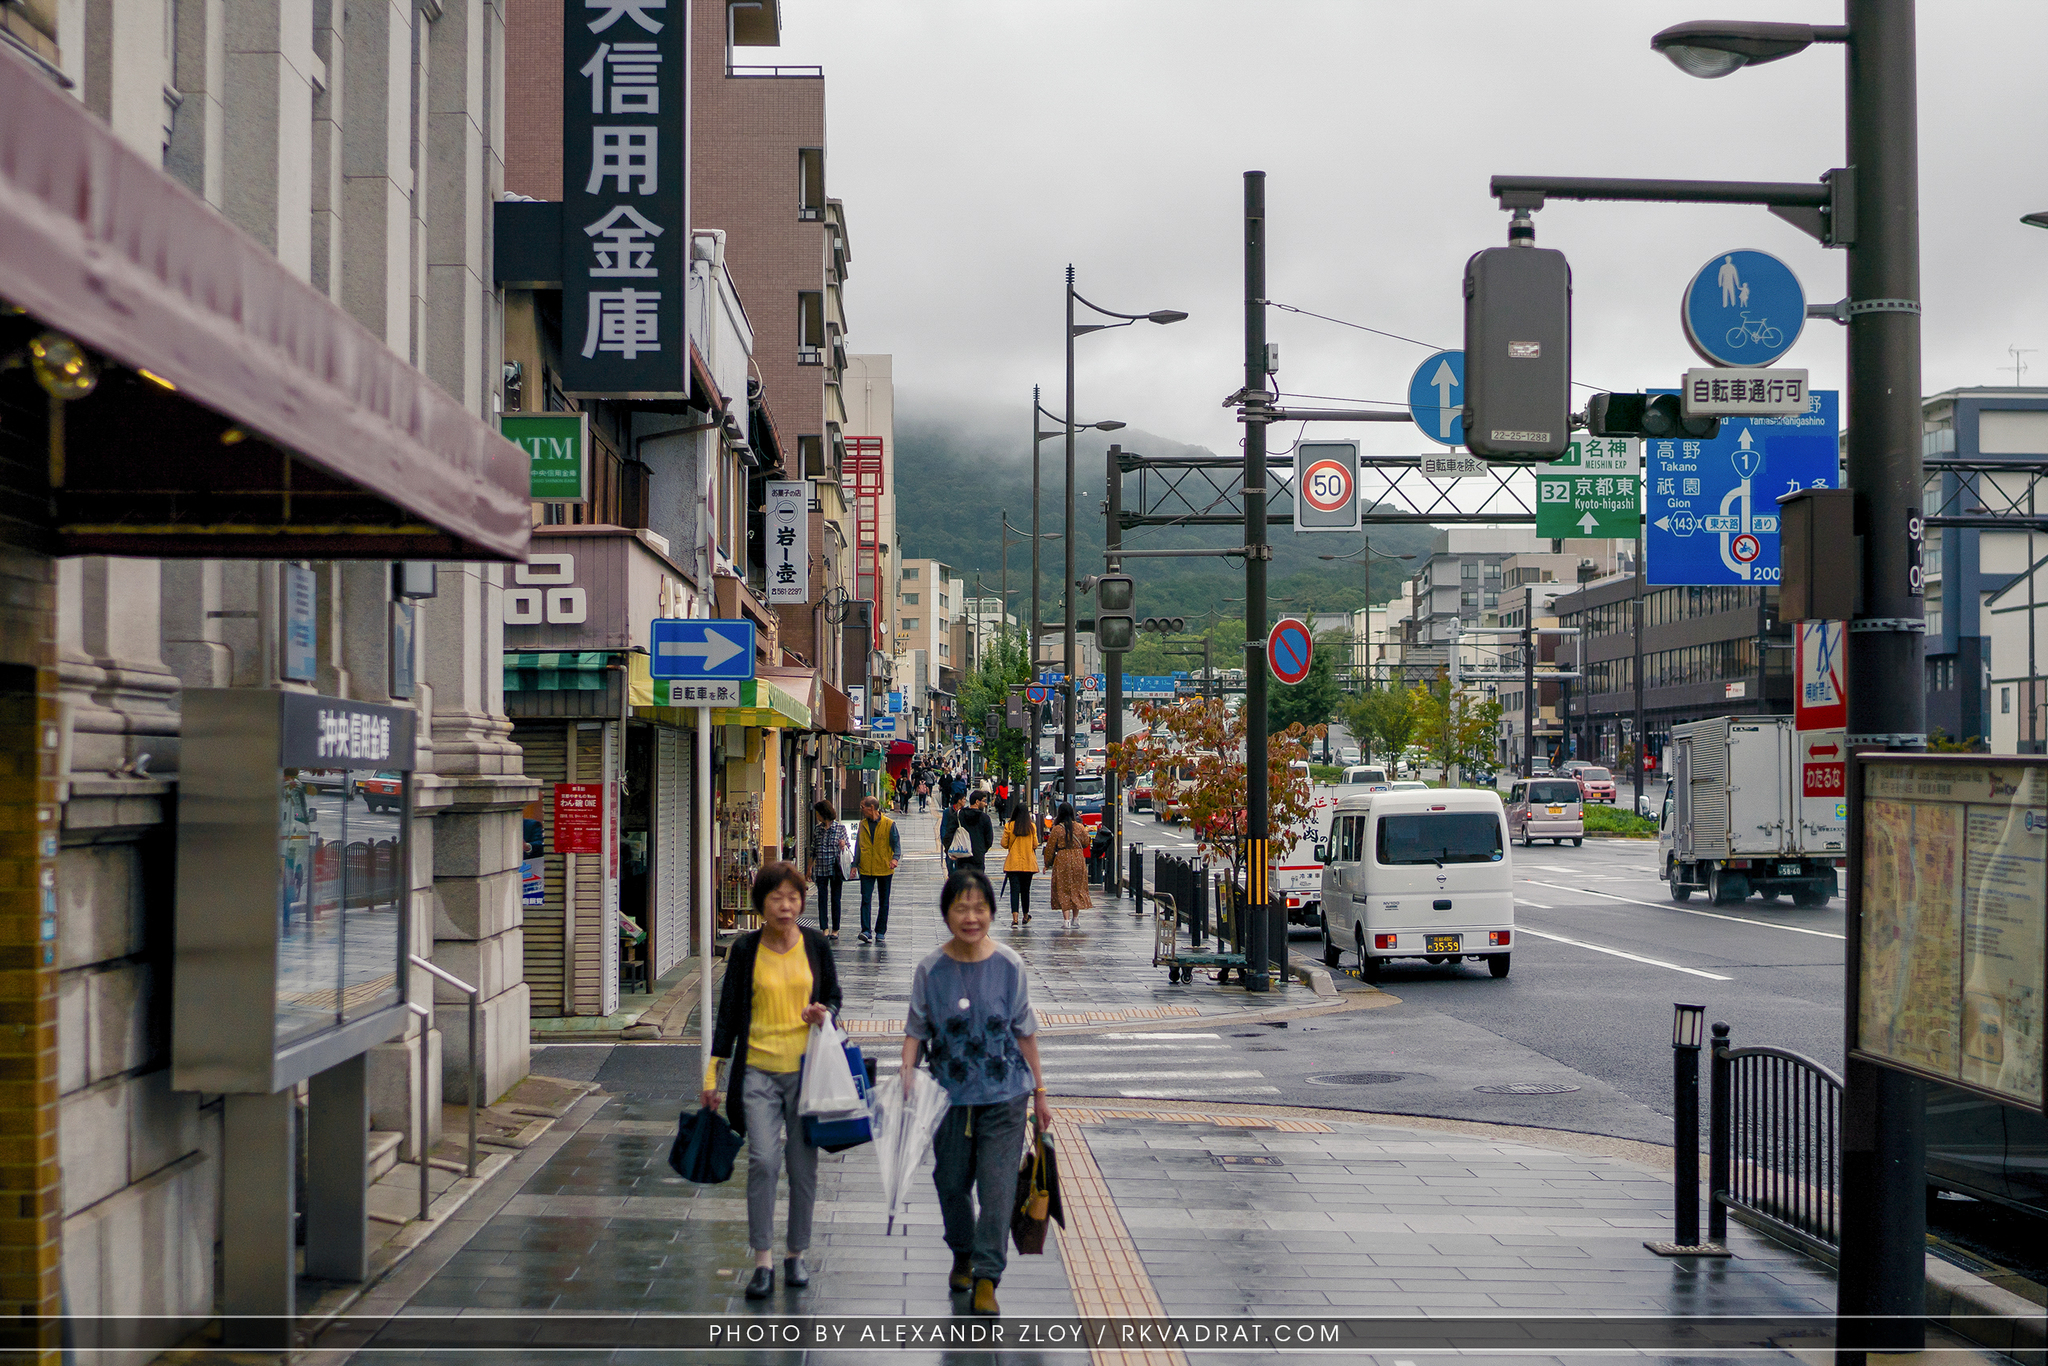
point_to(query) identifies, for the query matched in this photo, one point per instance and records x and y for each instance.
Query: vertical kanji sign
(625, 225)
(787, 526)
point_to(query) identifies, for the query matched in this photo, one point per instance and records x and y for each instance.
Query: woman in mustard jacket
(1020, 839)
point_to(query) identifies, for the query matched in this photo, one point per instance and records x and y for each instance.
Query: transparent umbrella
(903, 1135)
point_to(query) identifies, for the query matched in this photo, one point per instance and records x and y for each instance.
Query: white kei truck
(1754, 808)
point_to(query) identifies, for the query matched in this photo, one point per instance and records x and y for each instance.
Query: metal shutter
(542, 924)
(669, 936)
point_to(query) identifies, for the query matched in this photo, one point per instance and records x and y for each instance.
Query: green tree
(1455, 728)
(1384, 718)
(1313, 701)
(1004, 661)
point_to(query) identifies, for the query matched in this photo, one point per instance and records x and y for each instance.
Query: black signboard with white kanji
(625, 225)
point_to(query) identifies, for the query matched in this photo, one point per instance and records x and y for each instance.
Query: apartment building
(868, 390)
(259, 237)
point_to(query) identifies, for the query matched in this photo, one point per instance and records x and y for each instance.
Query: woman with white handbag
(779, 981)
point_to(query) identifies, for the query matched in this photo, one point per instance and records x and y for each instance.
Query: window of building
(910, 599)
(945, 650)
(810, 327)
(910, 623)
(810, 184)
(1469, 569)
(910, 571)
(2005, 701)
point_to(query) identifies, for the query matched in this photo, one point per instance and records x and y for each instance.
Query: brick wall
(533, 97)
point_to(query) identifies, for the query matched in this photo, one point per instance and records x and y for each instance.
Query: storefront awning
(556, 670)
(837, 710)
(239, 412)
(762, 702)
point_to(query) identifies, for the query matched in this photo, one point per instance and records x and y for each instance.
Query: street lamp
(1712, 48)
(2035, 220)
(1161, 316)
(1038, 437)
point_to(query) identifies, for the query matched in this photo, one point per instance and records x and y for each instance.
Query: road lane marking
(1203, 1091)
(1067, 1077)
(1536, 905)
(1687, 910)
(1632, 957)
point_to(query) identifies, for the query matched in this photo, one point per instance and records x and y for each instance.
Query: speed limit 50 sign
(1326, 486)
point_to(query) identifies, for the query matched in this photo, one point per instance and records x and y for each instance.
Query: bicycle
(1758, 331)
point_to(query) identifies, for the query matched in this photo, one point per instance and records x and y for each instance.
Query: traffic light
(1518, 349)
(1017, 716)
(1172, 626)
(992, 723)
(1657, 417)
(1116, 628)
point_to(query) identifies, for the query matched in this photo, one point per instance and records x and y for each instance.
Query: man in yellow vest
(878, 849)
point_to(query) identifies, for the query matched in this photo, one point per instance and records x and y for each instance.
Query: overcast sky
(979, 147)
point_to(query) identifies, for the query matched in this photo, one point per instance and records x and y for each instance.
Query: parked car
(383, 790)
(1407, 785)
(1596, 784)
(1546, 808)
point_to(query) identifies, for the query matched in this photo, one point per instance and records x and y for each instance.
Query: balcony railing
(775, 72)
(806, 214)
(810, 355)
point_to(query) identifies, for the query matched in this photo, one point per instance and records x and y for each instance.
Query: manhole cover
(1526, 1088)
(1247, 1160)
(1358, 1078)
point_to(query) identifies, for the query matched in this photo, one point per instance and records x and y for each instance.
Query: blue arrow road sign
(722, 649)
(883, 725)
(1712, 506)
(1436, 397)
(1743, 308)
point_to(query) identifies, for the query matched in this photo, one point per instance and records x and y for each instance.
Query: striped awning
(762, 702)
(556, 670)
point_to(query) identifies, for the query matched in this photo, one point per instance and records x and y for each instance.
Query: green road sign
(557, 448)
(1570, 505)
(1599, 455)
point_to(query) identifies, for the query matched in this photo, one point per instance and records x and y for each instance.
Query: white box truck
(1754, 807)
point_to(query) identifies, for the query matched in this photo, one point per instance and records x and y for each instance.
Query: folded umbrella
(903, 1135)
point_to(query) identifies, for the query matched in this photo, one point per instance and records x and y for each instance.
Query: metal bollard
(1687, 1027)
(1718, 1068)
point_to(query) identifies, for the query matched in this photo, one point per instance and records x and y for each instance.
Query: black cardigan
(736, 1007)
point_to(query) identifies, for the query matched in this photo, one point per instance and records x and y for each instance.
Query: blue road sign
(696, 648)
(1712, 506)
(895, 702)
(883, 725)
(1288, 650)
(1743, 308)
(1436, 397)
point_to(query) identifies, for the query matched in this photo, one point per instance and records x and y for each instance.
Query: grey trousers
(775, 1137)
(977, 1151)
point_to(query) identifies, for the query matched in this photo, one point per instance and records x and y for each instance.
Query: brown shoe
(960, 1280)
(985, 1297)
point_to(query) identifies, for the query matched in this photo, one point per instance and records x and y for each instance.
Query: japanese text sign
(1712, 505)
(556, 445)
(579, 818)
(624, 234)
(787, 526)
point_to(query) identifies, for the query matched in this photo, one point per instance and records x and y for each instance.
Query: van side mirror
(1322, 853)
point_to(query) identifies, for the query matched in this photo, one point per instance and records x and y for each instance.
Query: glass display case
(293, 885)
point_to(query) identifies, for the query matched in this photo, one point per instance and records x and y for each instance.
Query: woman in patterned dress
(1066, 858)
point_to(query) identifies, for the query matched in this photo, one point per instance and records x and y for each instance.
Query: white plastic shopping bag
(827, 1087)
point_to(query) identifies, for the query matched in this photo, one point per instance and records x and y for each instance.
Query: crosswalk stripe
(1153, 1076)
(1203, 1091)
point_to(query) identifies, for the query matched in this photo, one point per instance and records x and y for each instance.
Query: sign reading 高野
(557, 447)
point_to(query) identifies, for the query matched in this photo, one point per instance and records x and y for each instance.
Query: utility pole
(1642, 739)
(1453, 776)
(1031, 647)
(1529, 681)
(1072, 612)
(1113, 670)
(1258, 814)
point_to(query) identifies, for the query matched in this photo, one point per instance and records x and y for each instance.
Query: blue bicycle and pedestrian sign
(1436, 398)
(1743, 308)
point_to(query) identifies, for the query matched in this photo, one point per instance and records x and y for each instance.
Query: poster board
(1948, 919)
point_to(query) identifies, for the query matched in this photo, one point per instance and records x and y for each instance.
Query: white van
(1419, 875)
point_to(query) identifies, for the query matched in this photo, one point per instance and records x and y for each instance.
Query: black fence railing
(1775, 1144)
(1186, 881)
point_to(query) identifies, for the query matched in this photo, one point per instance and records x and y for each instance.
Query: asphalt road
(1603, 954)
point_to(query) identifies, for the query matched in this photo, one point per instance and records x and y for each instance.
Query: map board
(1948, 907)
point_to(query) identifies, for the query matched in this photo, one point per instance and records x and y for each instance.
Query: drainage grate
(1246, 1160)
(1526, 1088)
(1358, 1078)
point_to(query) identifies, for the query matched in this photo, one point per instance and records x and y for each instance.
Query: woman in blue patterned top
(971, 1017)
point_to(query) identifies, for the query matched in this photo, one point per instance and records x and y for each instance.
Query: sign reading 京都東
(789, 540)
(556, 446)
(623, 167)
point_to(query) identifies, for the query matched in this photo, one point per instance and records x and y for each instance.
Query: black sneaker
(866, 938)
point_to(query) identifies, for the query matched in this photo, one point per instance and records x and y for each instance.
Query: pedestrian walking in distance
(1020, 840)
(971, 1017)
(828, 871)
(779, 981)
(981, 828)
(878, 849)
(1066, 858)
(952, 833)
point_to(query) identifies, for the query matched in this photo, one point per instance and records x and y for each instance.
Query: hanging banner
(788, 528)
(624, 221)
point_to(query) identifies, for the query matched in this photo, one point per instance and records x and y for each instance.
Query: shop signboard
(579, 818)
(557, 447)
(787, 514)
(1948, 872)
(292, 885)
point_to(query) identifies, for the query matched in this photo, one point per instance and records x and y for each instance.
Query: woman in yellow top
(779, 981)
(1020, 839)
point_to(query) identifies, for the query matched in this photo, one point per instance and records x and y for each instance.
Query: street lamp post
(1038, 438)
(1161, 316)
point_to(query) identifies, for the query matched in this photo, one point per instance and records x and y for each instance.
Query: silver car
(1546, 808)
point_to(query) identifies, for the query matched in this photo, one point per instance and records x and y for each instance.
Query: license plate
(1443, 943)
(1788, 870)
(1557, 811)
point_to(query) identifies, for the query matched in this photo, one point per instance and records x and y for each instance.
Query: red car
(383, 792)
(1596, 785)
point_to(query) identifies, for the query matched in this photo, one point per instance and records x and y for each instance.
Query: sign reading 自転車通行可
(624, 233)
(556, 446)
(1743, 393)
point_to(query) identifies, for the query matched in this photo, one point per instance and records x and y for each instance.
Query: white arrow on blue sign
(699, 649)
(1743, 308)
(1712, 506)
(1436, 397)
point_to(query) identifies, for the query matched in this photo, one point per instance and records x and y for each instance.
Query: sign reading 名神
(1576, 504)
(696, 649)
(1326, 486)
(1821, 703)
(1743, 308)
(1948, 870)
(1743, 393)
(1599, 455)
(1289, 648)
(557, 449)
(788, 522)
(579, 818)
(1436, 397)
(624, 230)
(1452, 466)
(1712, 506)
